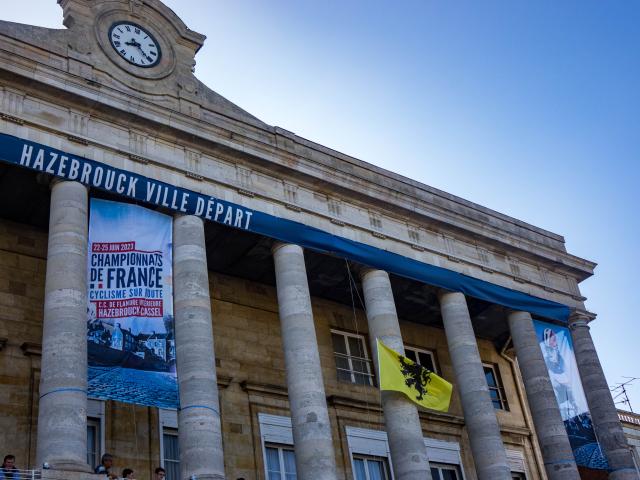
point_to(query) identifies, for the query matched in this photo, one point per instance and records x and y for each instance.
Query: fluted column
(408, 452)
(603, 411)
(487, 448)
(62, 415)
(199, 432)
(313, 445)
(552, 436)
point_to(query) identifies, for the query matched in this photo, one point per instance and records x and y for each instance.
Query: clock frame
(134, 43)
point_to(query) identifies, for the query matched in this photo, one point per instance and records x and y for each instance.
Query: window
(95, 431)
(352, 360)
(171, 453)
(445, 472)
(421, 357)
(281, 462)
(496, 390)
(93, 441)
(517, 464)
(370, 468)
(370, 455)
(277, 446)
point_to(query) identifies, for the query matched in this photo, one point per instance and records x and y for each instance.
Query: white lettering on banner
(183, 204)
(63, 163)
(119, 186)
(238, 221)
(108, 183)
(199, 206)
(209, 208)
(86, 172)
(97, 176)
(150, 188)
(124, 183)
(52, 160)
(73, 169)
(39, 163)
(25, 160)
(131, 189)
(219, 209)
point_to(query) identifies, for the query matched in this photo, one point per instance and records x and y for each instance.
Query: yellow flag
(421, 385)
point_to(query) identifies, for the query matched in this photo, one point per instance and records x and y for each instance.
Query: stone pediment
(87, 50)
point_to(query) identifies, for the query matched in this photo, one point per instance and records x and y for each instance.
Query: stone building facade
(282, 316)
(631, 427)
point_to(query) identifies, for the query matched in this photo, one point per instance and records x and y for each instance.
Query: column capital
(443, 291)
(580, 318)
(364, 270)
(53, 181)
(277, 245)
(510, 312)
(178, 215)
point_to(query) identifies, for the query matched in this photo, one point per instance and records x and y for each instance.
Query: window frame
(499, 389)
(97, 438)
(385, 462)
(368, 361)
(275, 431)
(168, 422)
(447, 466)
(170, 432)
(431, 353)
(96, 417)
(280, 447)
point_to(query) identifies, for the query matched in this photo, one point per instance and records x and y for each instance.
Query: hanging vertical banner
(557, 350)
(131, 342)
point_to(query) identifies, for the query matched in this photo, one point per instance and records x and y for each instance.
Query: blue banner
(45, 159)
(130, 324)
(557, 350)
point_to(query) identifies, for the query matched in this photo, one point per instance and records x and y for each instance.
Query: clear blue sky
(529, 108)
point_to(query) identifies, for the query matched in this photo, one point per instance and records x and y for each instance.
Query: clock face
(135, 44)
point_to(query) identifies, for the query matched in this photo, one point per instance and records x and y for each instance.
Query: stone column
(315, 457)
(408, 452)
(603, 411)
(487, 448)
(199, 432)
(552, 436)
(62, 414)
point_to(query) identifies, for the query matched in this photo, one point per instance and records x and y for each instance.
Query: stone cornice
(31, 349)
(438, 245)
(580, 318)
(264, 388)
(268, 145)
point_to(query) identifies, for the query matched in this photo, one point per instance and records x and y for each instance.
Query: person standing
(127, 474)
(106, 462)
(8, 470)
(160, 474)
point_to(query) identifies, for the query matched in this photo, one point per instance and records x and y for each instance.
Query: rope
(352, 286)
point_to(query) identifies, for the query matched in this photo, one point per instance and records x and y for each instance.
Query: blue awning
(126, 184)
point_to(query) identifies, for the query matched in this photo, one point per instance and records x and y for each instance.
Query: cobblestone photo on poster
(557, 350)
(131, 342)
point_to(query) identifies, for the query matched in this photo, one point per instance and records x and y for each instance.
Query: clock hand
(144, 54)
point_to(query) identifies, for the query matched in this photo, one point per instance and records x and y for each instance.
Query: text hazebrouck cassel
(125, 282)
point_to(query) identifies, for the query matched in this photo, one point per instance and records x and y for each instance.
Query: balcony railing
(20, 474)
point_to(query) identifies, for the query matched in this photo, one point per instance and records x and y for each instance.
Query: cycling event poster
(130, 324)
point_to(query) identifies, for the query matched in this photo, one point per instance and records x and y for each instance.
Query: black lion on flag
(415, 376)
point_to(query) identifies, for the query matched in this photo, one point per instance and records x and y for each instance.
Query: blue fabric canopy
(126, 184)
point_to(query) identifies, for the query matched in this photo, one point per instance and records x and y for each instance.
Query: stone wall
(251, 372)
